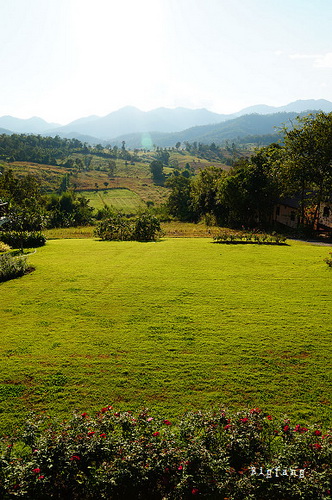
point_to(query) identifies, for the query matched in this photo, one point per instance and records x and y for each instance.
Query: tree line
(299, 166)
(53, 150)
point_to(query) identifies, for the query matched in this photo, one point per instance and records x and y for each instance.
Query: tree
(307, 161)
(156, 168)
(179, 203)
(204, 192)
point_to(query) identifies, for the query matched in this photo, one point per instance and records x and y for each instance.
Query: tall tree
(307, 162)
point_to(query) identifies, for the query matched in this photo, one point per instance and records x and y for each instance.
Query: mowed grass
(121, 199)
(174, 325)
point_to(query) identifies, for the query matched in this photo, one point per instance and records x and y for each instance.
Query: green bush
(214, 455)
(144, 227)
(23, 239)
(12, 267)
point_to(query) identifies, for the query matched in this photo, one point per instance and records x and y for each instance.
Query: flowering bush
(215, 455)
(251, 237)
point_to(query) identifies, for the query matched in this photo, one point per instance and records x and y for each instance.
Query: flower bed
(117, 455)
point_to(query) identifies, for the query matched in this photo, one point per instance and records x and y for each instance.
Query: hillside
(235, 129)
(124, 123)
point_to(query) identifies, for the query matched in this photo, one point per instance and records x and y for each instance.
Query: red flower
(36, 471)
(255, 411)
(269, 417)
(167, 422)
(155, 433)
(285, 428)
(103, 435)
(317, 446)
(300, 429)
(75, 457)
(244, 420)
(317, 433)
(91, 433)
(228, 426)
(195, 491)
(41, 477)
(84, 415)
(104, 410)
(180, 467)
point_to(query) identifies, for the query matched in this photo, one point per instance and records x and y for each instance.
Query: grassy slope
(182, 323)
(121, 199)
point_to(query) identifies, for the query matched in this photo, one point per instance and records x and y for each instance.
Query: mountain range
(168, 126)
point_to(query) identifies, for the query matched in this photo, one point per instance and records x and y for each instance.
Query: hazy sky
(64, 59)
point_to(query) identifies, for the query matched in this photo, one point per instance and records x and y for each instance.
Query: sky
(66, 59)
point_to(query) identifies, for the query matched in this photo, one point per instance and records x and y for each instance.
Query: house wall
(325, 215)
(286, 215)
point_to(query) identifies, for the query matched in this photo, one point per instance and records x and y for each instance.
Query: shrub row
(12, 267)
(258, 238)
(214, 455)
(23, 239)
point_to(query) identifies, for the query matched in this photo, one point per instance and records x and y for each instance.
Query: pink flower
(255, 411)
(156, 433)
(149, 419)
(36, 471)
(167, 422)
(180, 467)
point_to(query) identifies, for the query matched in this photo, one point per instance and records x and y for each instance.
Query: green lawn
(121, 199)
(178, 324)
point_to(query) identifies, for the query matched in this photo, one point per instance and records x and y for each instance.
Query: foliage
(144, 227)
(216, 454)
(115, 227)
(251, 237)
(179, 202)
(12, 266)
(4, 247)
(23, 239)
(306, 167)
(68, 209)
(156, 167)
(36, 148)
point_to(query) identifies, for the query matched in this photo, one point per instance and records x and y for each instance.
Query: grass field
(121, 199)
(173, 325)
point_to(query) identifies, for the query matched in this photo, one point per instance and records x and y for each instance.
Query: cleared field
(174, 325)
(121, 199)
